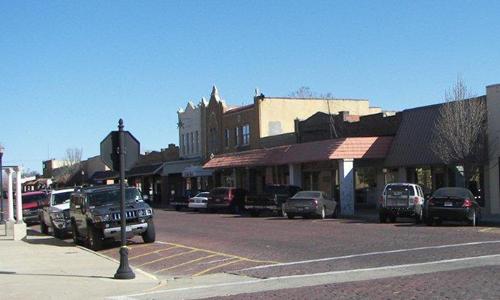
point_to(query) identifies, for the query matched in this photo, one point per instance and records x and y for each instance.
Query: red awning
(352, 147)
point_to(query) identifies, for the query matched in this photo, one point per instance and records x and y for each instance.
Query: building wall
(277, 115)
(237, 119)
(50, 165)
(190, 135)
(493, 104)
(213, 124)
(92, 165)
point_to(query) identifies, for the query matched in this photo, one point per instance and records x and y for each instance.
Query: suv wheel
(335, 213)
(94, 238)
(322, 214)
(290, 216)
(74, 230)
(254, 213)
(43, 227)
(283, 211)
(149, 235)
(58, 233)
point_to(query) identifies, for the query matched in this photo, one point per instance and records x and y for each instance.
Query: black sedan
(452, 203)
(311, 204)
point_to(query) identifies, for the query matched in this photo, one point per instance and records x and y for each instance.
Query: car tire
(43, 227)
(429, 221)
(474, 222)
(76, 237)
(438, 222)
(149, 236)
(177, 208)
(290, 216)
(58, 233)
(94, 238)
(382, 217)
(392, 218)
(254, 213)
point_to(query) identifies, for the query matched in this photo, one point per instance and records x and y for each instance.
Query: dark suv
(95, 215)
(226, 198)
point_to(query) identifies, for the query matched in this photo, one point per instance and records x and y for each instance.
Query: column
(19, 192)
(10, 198)
(346, 177)
(295, 174)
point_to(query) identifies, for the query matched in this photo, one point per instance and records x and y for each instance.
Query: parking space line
(166, 257)
(369, 254)
(221, 254)
(185, 263)
(152, 252)
(217, 267)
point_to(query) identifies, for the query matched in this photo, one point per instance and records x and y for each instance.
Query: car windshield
(33, 198)
(204, 194)
(307, 195)
(112, 197)
(60, 198)
(218, 192)
(451, 192)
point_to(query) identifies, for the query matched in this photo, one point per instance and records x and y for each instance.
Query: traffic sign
(110, 150)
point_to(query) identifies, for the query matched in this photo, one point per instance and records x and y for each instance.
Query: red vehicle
(32, 203)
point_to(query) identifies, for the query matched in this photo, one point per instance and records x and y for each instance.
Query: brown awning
(352, 147)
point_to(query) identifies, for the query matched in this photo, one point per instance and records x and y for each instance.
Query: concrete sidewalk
(42, 267)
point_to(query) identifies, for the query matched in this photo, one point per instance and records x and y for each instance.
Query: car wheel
(290, 216)
(149, 235)
(283, 211)
(43, 227)
(58, 233)
(392, 218)
(382, 217)
(439, 222)
(429, 221)
(474, 220)
(94, 238)
(177, 208)
(322, 214)
(335, 213)
(76, 238)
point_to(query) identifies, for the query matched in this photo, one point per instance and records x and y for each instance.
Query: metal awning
(178, 166)
(196, 171)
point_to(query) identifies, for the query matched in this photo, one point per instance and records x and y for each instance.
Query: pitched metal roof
(355, 147)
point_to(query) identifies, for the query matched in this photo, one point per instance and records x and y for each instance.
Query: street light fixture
(1, 185)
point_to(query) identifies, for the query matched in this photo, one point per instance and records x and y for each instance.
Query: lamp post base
(124, 271)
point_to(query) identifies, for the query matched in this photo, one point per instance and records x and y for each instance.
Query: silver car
(311, 204)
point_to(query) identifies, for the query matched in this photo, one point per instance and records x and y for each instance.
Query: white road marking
(216, 261)
(367, 254)
(295, 281)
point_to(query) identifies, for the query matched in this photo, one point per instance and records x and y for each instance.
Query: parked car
(199, 201)
(226, 198)
(55, 216)
(311, 204)
(95, 215)
(401, 200)
(33, 202)
(182, 201)
(272, 199)
(452, 203)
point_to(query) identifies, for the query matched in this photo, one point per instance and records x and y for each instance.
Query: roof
(344, 148)
(178, 166)
(411, 146)
(103, 175)
(143, 170)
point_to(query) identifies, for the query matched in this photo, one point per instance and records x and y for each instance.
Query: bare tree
(460, 132)
(306, 92)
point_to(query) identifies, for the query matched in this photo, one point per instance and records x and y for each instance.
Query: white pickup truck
(56, 215)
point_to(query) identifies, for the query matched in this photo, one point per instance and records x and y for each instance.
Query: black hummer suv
(95, 215)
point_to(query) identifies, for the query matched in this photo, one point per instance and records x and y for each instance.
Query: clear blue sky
(70, 70)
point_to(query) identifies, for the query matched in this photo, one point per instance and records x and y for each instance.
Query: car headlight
(149, 212)
(102, 218)
(57, 215)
